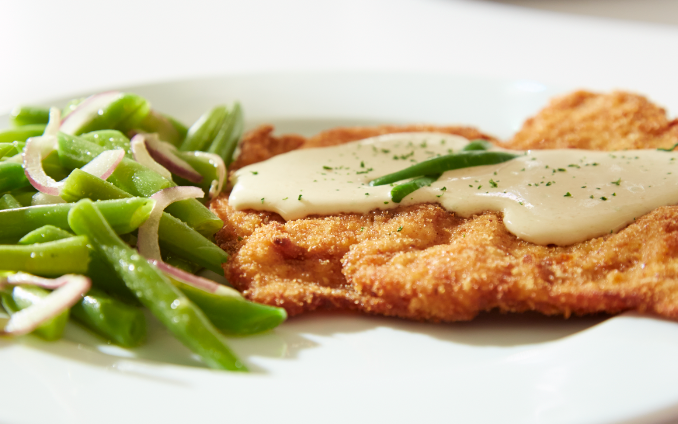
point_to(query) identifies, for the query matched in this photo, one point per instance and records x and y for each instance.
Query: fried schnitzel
(441, 267)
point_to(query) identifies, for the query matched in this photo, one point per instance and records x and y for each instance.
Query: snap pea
(123, 324)
(24, 296)
(110, 140)
(229, 135)
(232, 314)
(478, 144)
(399, 192)
(12, 176)
(28, 115)
(203, 131)
(7, 201)
(137, 180)
(441, 164)
(124, 215)
(174, 235)
(21, 133)
(154, 290)
(122, 114)
(52, 259)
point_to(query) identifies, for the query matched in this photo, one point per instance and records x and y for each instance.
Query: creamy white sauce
(547, 196)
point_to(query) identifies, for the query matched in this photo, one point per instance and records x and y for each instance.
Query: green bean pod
(24, 195)
(11, 149)
(204, 130)
(232, 314)
(174, 235)
(122, 114)
(29, 115)
(154, 290)
(230, 133)
(7, 201)
(203, 166)
(12, 176)
(124, 215)
(440, 164)
(99, 271)
(110, 140)
(52, 259)
(118, 322)
(399, 192)
(137, 180)
(167, 130)
(21, 133)
(24, 296)
(45, 234)
(478, 144)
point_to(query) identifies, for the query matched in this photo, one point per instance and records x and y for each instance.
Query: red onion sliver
(196, 281)
(86, 111)
(147, 239)
(24, 278)
(36, 149)
(216, 160)
(104, 164)
(142, 156)
(70, 290)
(163, 153)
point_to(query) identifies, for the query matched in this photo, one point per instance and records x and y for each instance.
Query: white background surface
(54, 49)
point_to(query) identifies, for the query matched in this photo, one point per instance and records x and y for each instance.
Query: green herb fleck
(616, 182)
(493, 183)
(299, 198)
(262, 200)
(603, 198)
(400, 228)
(567, 194)
(329, 168)
(254, 172)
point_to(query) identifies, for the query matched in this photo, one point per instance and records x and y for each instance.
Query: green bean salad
(102, 212)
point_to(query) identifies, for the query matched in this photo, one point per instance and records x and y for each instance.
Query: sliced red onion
(104, 164)
(36, 149)
(142, 156)
(147, 240)
(20, 278)
(70, 289)
(216, 160)
(196, 281)
(163, 153)
(45, 199)
(86, 111)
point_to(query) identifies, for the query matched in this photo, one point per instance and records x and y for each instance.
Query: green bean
(167, 131)
(478, 144)
(154, 290)
(12, 176)
(52, 166)
(174, 235)
(125, 215)
(137, 180)
(178, 126)
(7, 201)
(441, 164)
(45, 234)
(399, 192)
(24, 296)
(11, 149)
(110, 140)
(21, 133)
(204, 166)
(122, 114)
(52, 259)
(99, 271)
(123, 324)
(24, 195)
(229, 135)
(201, 134)
(28, 115)
(232, 314)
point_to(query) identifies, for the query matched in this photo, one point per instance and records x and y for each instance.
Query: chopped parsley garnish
(616, 182)
(567, 194)
(254, 172)
(400, 228)
(329, 168)
(493, 183)
(299, 198)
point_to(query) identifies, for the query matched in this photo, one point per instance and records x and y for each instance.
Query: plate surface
(331, 367)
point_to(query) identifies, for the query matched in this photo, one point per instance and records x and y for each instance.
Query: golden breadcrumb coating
(440, 267)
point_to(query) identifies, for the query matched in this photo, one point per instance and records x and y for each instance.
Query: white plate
(350, 368)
